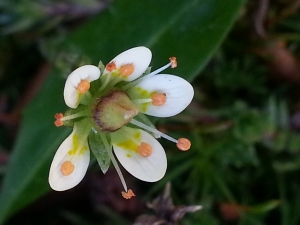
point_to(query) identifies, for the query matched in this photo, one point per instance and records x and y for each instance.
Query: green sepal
(101, 67)
(98, 149)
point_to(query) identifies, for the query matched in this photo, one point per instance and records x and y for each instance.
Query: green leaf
(264, 207)
(189, 30)
(97, 147)
(27, 176)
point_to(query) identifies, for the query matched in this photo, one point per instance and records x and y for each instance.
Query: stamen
(58, 122)
(142, 100)
(158, 99)
(60, 118)
(183, 144)
(113, 160)
(153, 130)
(173, 61)
(144, 149)
(128, 195)
(126, 70)
(83, 86)
(171, 64)
(67, 168)
(111, 66)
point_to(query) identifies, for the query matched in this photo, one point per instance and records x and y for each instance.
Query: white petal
(140, 57)
(151, 168)
(79, 158)
(179, 94)
(71, 95)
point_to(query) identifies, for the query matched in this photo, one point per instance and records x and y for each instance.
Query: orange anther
(126, 70)
(158, 99)
(111, 66)
(144, 149)
(58, 116)
(83, 86)
(183, 144)
(58, 122)
(128, 195)
(173, 61)
(67, 168)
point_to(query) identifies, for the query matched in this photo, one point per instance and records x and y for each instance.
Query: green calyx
(112, 111)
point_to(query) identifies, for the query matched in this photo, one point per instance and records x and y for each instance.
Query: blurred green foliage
(243, 123)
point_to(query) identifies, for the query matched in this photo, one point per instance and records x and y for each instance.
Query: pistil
(113, 111)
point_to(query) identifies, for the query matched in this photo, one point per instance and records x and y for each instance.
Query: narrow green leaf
(264, 207)
(27, 176)
(189, 30)
(97, 147)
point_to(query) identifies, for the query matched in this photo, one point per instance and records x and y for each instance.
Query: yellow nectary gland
(159, 99)
(113, 110)
(67, 168)
(144, 149)
(126, 70)
(83, 86)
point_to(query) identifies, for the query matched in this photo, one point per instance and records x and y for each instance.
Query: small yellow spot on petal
(111, 66)
(144, 149)
(67, 168)
(128, 155)
(137, 136)
(126, 70)
(184, 144)
(128, 145)
(128, 195)
(58, 122)
(158, 99)
(173, 61)
(83, 86)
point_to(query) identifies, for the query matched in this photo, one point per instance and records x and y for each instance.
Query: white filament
(113, 160)
(153, 130)
(131, 84)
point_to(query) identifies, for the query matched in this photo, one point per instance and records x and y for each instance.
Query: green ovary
(113, 111)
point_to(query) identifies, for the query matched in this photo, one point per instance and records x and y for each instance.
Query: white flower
(108, 113)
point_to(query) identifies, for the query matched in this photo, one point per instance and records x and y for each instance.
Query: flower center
(113, 110)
